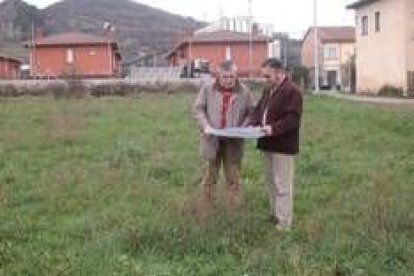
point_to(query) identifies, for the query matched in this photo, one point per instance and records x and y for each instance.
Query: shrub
(300, 76)
(9, 91)
(390, 91)
(77, 88)
(118, 89)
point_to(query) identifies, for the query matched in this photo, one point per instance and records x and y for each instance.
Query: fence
(162, 74)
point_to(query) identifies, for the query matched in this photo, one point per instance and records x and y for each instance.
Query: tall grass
(110, 187)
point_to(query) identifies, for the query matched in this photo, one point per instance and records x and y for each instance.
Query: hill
(17, 19)
(140, 29)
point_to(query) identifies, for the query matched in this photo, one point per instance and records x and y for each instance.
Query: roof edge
(360, 4)
(10, 58)
(29, 44)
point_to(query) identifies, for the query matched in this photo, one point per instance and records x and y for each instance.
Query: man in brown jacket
(225, 103)
(279, 112)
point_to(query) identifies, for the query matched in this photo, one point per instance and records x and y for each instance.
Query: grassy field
(110, 186)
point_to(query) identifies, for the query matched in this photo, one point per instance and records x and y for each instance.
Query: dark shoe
(234, 199)
(273, 219)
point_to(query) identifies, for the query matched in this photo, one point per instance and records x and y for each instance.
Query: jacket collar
(236, 89)
(276, 87)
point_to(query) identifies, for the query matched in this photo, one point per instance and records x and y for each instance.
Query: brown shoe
(205, 206)
(234, 199)
(208, 193)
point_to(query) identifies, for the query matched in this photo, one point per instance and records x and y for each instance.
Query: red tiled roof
(360, 4)
(75, 38)
(72, 38)
(6, 57)
(335, 34)
(227, 36)
(219, 36)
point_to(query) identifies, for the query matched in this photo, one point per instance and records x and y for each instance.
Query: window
(228, 53)
(275, 49)
(331, 52)
(93, 52)
(377, 21)
(364, 25)
(70, 55)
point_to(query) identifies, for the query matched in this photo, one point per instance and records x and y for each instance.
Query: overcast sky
(292, 16)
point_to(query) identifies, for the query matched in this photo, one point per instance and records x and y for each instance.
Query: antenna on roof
(108, 27)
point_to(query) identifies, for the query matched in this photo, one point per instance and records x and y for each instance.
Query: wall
(9, 69)
(380, 56)
(340, 64)
(216, 53)
(307, 53)
(88, 61)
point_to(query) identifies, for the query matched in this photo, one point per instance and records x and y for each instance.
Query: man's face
(227, 79)
(273, 76)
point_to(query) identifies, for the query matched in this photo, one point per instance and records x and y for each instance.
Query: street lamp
(190, 53)
(250, 40)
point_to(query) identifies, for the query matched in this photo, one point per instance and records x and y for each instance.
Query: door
(332, 79)
(410, 83)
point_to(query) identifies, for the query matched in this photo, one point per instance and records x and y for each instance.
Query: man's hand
(207, 130)
(267, 130)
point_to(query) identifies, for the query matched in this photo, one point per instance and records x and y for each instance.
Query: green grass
(110, 186)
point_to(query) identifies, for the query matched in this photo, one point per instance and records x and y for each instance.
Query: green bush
(391, 91)
(300, 76)
(76, 88)
(9, 91)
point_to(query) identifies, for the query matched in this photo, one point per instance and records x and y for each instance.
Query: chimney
(108, 30)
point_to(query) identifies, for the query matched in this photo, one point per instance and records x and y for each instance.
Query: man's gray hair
(227, 66)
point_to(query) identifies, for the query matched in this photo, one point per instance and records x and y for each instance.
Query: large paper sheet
(237, 132)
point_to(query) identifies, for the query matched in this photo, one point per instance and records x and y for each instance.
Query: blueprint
(238, 132)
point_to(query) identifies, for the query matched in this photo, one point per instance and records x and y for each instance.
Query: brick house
(76, 54)
(384, 45)
(9, 67)
(336, 50)
(217, 46)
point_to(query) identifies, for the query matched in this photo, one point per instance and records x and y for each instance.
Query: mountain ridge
(140, 29)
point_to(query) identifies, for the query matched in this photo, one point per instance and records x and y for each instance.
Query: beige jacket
(207, 110)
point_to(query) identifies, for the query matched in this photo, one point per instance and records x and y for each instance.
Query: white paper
(237, 132)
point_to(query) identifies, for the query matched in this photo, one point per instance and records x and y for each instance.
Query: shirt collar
(276, 87)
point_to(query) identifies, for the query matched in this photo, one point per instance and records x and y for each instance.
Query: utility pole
(190, 56)
(32, 51)
(250, 39)
(316, 41)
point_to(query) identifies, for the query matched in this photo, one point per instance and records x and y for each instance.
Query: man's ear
(214, 70)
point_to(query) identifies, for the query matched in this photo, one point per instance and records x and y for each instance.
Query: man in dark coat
(279, 113)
